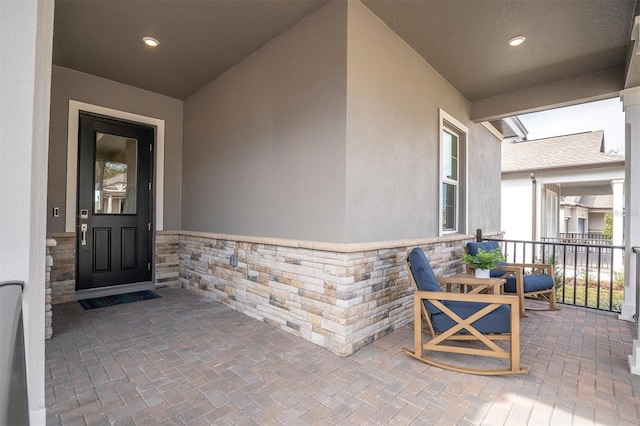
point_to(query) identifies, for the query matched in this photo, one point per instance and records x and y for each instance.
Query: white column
(617, 185)
(26, 44)
(631, 105)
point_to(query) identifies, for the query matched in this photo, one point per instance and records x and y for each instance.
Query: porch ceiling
(465, 41)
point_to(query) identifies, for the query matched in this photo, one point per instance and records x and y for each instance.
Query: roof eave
(565, 168)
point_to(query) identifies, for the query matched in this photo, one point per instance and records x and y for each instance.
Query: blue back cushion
(424, 276)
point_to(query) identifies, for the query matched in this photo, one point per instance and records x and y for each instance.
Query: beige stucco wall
(393, 101)
(26, 38)
(596, 221)
(264, 144)
(329, 133)
(484, 181)
(68, 85)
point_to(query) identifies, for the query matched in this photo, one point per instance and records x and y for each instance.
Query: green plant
(607, 229)
(483, 259)
(618, 280)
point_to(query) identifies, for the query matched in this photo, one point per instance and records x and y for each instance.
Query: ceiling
(464, 40)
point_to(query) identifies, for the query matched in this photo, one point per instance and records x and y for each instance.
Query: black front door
(114, 202)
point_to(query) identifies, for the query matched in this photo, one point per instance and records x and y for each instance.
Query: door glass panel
(115, 174)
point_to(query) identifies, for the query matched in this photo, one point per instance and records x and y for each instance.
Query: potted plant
(483, 261)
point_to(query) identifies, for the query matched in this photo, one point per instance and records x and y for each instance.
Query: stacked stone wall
(167, 262)
(341, 299)
(48, 313)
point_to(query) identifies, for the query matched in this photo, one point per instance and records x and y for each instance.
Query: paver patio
(184, 359)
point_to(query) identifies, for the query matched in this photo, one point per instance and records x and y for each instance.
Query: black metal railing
(588, 275)
(590, 239)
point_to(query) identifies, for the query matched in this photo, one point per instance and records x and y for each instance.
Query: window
(581, 225)
(453, 201)
(449, 180)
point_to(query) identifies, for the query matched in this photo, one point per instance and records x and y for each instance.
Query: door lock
(83, 234)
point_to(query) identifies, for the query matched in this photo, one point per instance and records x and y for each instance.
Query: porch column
(26, 36)
(631, 105)
(617, 185)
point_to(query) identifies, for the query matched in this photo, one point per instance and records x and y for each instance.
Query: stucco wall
(264, 143)
(26, 37)
(516, 207)
(69, 84)
(596, 221)
(393, 101)
(329, 133)
(484, 181)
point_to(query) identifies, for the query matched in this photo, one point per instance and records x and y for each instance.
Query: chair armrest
(465, 297)
(470, 280)
(509, 270)
(547, 268)
(511, 267)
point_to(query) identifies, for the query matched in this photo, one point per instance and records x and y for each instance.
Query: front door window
(115, 174)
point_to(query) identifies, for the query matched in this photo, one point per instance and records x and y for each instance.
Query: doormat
(101, 302)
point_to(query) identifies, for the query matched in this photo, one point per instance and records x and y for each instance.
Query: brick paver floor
(184, 359)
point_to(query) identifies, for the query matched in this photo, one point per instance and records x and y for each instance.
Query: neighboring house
(537, 173)
(584, 214)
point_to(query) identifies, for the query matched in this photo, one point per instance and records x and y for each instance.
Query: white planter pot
(483, 273)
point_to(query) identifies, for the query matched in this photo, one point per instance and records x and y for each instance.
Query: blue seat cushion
(472, 248)
(532, 282)
(424, 276)
(497, 321)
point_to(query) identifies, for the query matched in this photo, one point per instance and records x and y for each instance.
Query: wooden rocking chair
(536, 285)
(452, 317)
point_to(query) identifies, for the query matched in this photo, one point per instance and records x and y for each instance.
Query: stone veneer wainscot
(339, 296)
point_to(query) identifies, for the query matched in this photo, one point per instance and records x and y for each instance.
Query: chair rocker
(455, 317)
(536, 285)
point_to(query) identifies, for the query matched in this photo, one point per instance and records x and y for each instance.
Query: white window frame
(452, 125)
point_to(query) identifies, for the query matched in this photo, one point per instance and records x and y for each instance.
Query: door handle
(83, 234)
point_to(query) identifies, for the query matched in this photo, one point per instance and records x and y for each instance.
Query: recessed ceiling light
(516, 41)
(150, 41)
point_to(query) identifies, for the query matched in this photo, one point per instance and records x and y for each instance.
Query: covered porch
(327, 132)
(185, 359)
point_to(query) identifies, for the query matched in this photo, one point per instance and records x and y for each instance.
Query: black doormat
(101, 302)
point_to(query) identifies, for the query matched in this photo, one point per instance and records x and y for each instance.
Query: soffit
(464, 40)
(199, 40)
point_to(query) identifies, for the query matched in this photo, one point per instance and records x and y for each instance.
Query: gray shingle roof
(580, 149)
